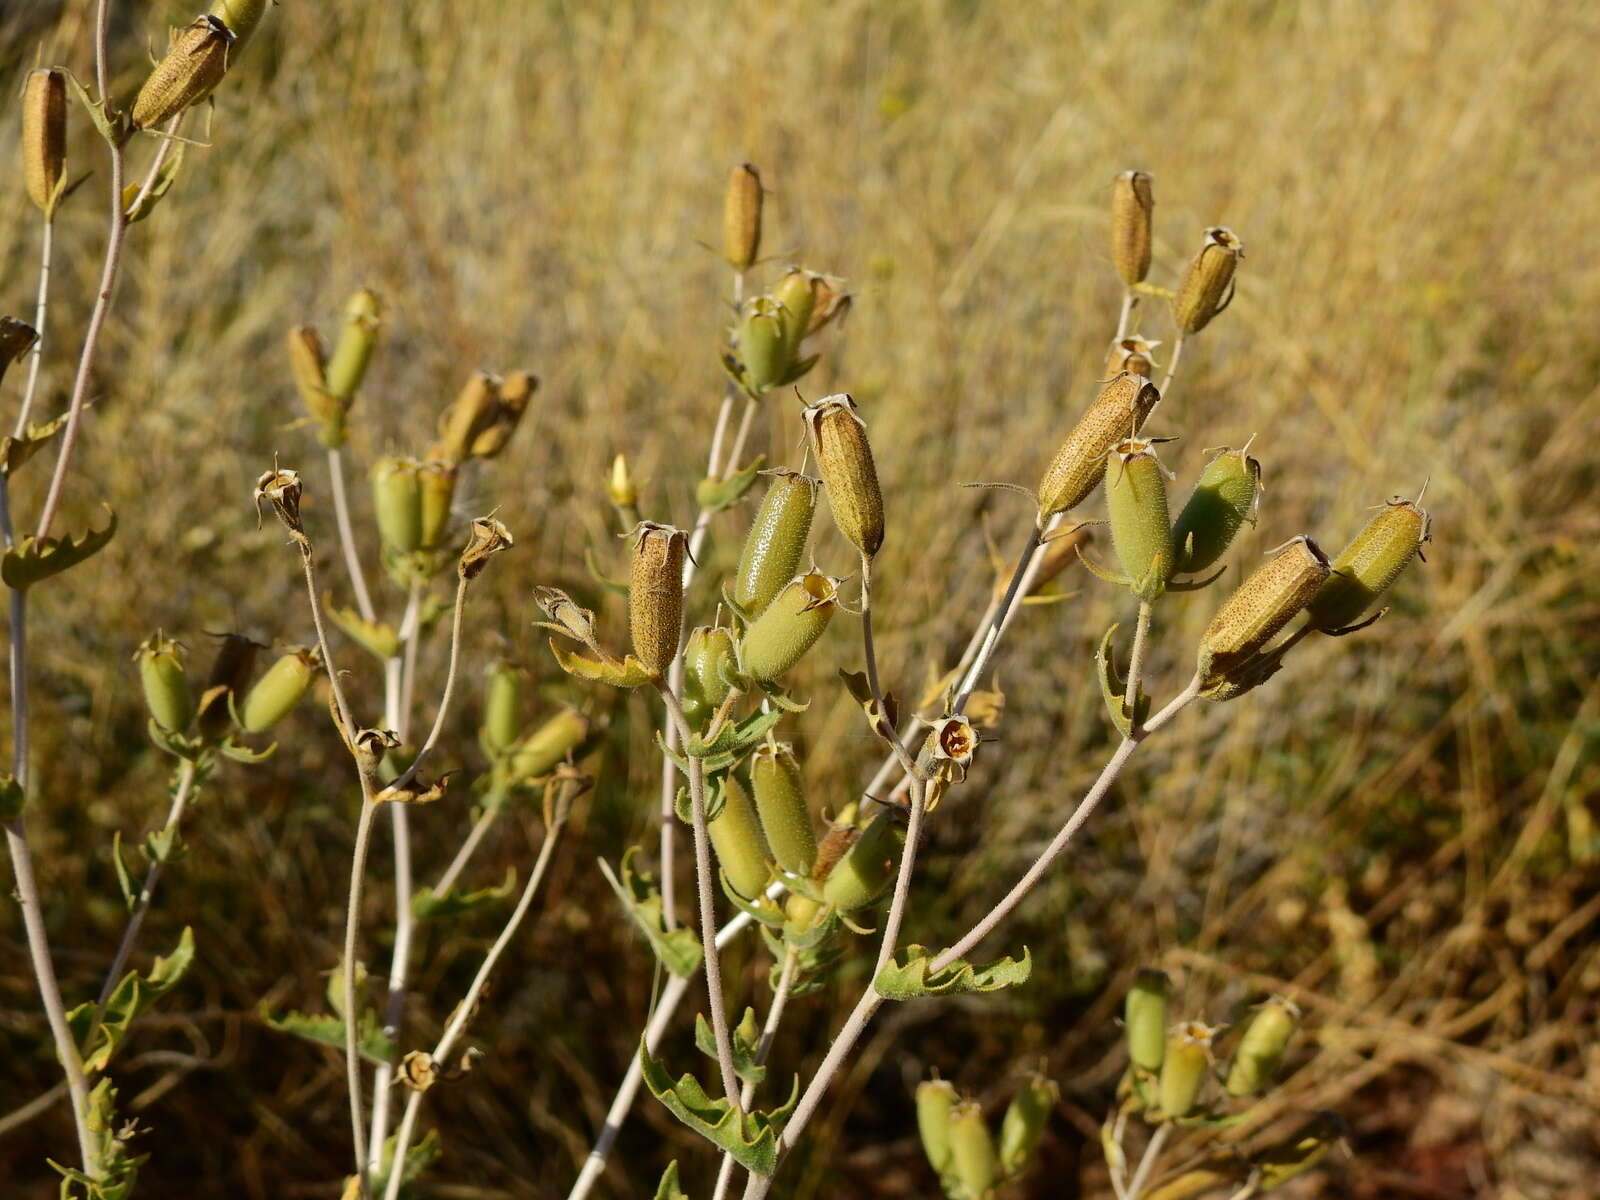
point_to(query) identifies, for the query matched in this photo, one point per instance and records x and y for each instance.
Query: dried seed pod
(502, 708)
(708, 659)
(1264, 604)
(282, 489)
(844, 457)
(762, 345)
(308, 363)
(16, 339)
(791, 625)
(1141, 529)
(935, 1099)
(655, 594)
(1260, 1050)
(1207, 286)
(866, 868)
(830, 302)
(242, 17)
(486, 538)
(781, 803)
(352, 353)
(1118, 412)
(741, 217)
(44, 135)
(1024, 1122)
(841, 834)
(467, 418)
(972, 1157)
(397, 503)
(1224, 499)
(536, 755)
(736, 837)
(230, 673)
(195, 63)
(436, 484)
(777, 539)
(1184, 1068)
(1132, 208)
(516, 393)
(1144, 1018)
(165, 685)
(1133, 354)
(283, 686)
(1369, 564)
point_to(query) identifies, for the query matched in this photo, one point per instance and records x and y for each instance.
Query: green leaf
(34, 559)
(137, 207)
(419, 1157)
(733, 737)
(378, 639)
(124, 880)
(14, 451)
(714, 495)
(113, 125)
(12, 799)
(745, 1065)
(628, 673)
(668, 1188)
(678, 949)
(426, 906)
(903, 982)
(99, 1041)
(329, 1031)
(1111, 685)
(752, 1140)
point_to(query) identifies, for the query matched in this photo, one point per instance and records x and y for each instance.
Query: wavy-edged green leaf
(35, 559)
(678, 949)
(745, 1065)
(426, 906)
(752, 1139)
(14, 451)
(1111, 685)
(99, 1040)
(911, 978)
(733, 737)
(714, 495)
(627, 673)
(669, 1188)
(327, 1030)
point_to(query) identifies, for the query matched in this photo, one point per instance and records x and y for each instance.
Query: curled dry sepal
(487, 539)
(281, 488)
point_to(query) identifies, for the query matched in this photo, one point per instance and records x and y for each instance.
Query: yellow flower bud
(844, 457)
(1118, 412)
(1266, 602)
(1367, 567)
(781, 804)
(195, 63)
(736, 837)
(655, 594)
(1207, 286)
(1132, 207)
(44, 135)
(777, 539)
(741, 217)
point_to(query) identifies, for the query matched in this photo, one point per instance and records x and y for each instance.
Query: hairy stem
(40, 310)
(890, 734)
(1172, 366)
(449, 688)
(1130, 300)
(769, 1032)
(347, 537)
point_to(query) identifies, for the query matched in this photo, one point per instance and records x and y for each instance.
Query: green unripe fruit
(781, 804)
(796, 296)
(436, 482)
(935, 1098)
(1024, 1123)
(708, 657)
(547, 746)
(1368, 565)
(280, 689)
(800, 910)
(972, 1156)
(1141, 529)
(777, 539)
(502, 708)
(166, 686)
(241, 17)
(397, 502)
(1184, 1069)
(763, 349)
(1144, 1018)
(1260, 1050)
(866, 868)
(1222, 501)
(737, 839)
(790, 626)
(353, 351)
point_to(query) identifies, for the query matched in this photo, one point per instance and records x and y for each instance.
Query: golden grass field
(1400, 830)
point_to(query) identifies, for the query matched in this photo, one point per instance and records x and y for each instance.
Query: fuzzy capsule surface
(502, 708)
(543, 750)
(1265, 602)
(790, 626)
(781, 804)
(352, 352)
(1223, 500)
(1144, 1018)
(708, 659)
(972, 1156)
(935, 1099)
(741, 217)
(44, 134)
(655, 594)
(308, 363)
(283, 686)
(866, 868)
(397, 503)
(844, 458)
(737, 838)
(1141, 529)
(1184, 1068)
(195, 63)
(772, 549)
(1260, 1050)
(242, 17)
(436, 484)
(1132, 209)
(1118, 413)
(763, 345)
(1024, 1122)
(1207, 285)
(1367, 567)
(165, 684)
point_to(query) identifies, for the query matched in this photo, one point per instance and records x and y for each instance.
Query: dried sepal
(487, 538)
(370, 745)
(16, 339)
(282, 489)
(566, 616)
(1134, 354)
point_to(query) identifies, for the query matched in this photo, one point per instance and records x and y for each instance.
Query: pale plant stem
(347, 537)
(1129, 300)
(769, 1032)
(1172, 366)
(1147, 1161)
(1141, 640)
(869, 651)
(40, 309)
(463, 1013)
(491, 810)
(37, 1107)
(449, 688)
(180, 800)
(1002, 616)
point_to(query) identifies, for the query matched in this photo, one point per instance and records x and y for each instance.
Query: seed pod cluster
(1267, 601)
(772, 549)
(1207, 286)
(1136, 501)
(1118, 413)
(844, 456)
(655, 594)
(1132, 210)
(44, 135)
(1370, 564)
(1223, 500)
(195, 63)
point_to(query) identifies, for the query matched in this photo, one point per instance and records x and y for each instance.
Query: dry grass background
(1402, 828)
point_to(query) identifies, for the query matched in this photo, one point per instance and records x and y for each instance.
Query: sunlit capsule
(1207, 286)
(1367, 567)
(790, 626)
(781, 804)
(776, 541)
(737, 838)
(655, 594)
(1223, 500)
(1118, 413)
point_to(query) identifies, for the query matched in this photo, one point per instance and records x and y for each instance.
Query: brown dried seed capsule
(1264, 604)
(1118, 412)
(1207, 286)
(655, 594)
(1132, 205)
(16, 339)
(844, 457)
(44, 134)
(1133, 354)
(741, 217)
(282, 488)
(195, 63)
(1369, 564)
(488, 537)
(471, 413)
(230, 672)
(516, 392)
(830, 302)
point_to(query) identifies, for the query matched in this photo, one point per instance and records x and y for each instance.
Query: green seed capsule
(762, 344)
(1118, 413)
(1141, 529)
(1207, 286)
(502, 708)
(741, 217)
(195, 63)
(230, 673)
(436, 482)
(166, 686)
(1368, 565)
(655, 594)
(397, 502)
(935, 1098)
(800, 910)
(1132, 206)
(781, 803)
(352, 353)
(776, 541)
(1185, 1067)
(44, 135)
(279, 690)
(547, 746)
(790, 626)
(1260, 1050)
(242, 17)
(844, 456)
(708, 659)
(1024, 1123)
(1223, 500)
(737, 839)
(796, 296)
(1144, 1018)
(1264, 604)
(972, 1156)
(866, 868)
